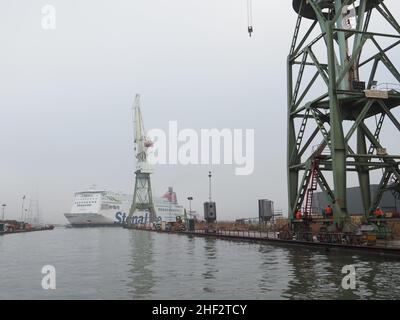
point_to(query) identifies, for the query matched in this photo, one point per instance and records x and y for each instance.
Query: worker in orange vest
(379, 213)
(299, 216)
(329, 212)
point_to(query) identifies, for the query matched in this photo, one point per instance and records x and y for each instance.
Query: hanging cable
(250, 16)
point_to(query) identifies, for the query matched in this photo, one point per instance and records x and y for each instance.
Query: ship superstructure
(95, 208)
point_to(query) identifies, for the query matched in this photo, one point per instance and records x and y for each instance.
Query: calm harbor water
(126, 264)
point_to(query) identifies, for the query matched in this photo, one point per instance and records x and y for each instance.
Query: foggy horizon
(66, 98)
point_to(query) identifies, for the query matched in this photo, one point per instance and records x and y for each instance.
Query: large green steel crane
(336, 69)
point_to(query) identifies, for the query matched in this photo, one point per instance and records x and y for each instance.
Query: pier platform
(383, 248)
(26, 230)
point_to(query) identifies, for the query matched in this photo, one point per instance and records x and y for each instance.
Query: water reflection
(318, 275)
(141, 276)
(273, 270)
(367, 270)
(129, 264)
(211, 269)
(377, 279)
(302, 273)
(201, 268)
(191, 245)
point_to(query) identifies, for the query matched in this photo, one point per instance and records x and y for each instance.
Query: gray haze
(66, 96)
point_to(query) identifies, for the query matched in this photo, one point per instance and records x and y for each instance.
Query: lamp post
(4, 208)
(22, 208)
(190, 204)
(209, 177)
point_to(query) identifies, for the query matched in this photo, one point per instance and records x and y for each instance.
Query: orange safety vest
(328, 210)
(379, 213)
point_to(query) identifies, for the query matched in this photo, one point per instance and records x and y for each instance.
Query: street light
(22, 209)
(4, 208)
(190, 204)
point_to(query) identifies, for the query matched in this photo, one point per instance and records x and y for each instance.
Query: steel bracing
(336, 67)
(143, 196)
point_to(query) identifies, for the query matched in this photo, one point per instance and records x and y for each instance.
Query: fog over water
(66, 96)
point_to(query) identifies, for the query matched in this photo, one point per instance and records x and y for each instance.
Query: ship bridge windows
(86, 203)
(169, 210)
(106, 206)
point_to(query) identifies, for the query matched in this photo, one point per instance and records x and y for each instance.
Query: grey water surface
(114, 263)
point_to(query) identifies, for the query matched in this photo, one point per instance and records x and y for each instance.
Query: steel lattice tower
(335, 67)
(143, 196)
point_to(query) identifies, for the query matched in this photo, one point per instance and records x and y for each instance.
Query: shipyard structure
(339, 101)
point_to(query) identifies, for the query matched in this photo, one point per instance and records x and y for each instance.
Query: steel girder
(322, 100)
(142, 199)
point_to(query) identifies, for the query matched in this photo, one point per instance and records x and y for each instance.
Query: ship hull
(87, 220)
(109, 209)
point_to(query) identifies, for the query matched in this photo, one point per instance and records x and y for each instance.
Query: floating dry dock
(382, 248)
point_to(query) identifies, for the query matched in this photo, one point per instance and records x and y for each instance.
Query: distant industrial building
(389, 202)
(265, 210)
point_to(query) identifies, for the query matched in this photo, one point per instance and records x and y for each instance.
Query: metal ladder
(302, 130)
(377, 133)
(303, 189)
(312, 188)
(384, 182)
(321, 127)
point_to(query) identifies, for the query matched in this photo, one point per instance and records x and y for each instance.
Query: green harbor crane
(338, 70)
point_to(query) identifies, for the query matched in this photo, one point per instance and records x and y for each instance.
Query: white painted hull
(100, 208)
(88, 219)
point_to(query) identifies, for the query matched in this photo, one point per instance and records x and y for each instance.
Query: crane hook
(250, 17)
(250, 29)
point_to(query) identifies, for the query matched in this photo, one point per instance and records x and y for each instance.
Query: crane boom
(142, 143)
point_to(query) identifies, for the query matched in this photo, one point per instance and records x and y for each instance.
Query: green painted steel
(333, 89)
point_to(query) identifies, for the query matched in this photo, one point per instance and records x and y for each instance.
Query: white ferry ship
(94, 208)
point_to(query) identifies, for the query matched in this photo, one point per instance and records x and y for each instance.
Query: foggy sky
(66, 96)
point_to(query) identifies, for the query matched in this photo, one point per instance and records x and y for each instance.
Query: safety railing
(241, 234)
(387, 87)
